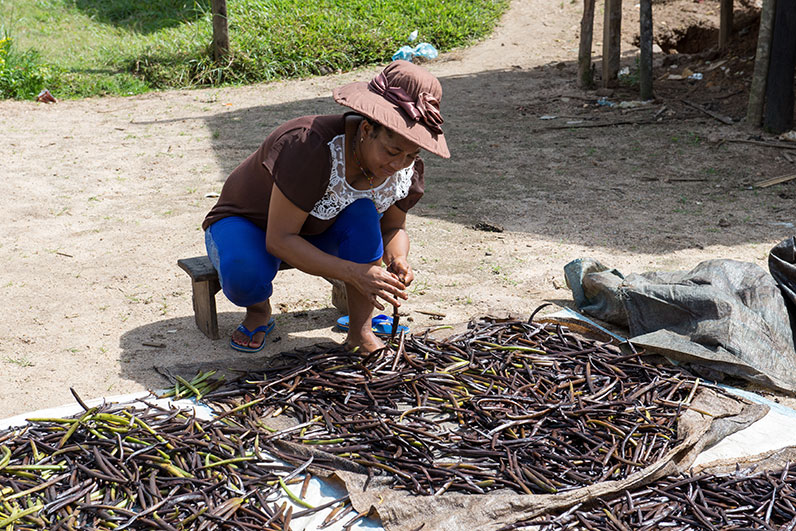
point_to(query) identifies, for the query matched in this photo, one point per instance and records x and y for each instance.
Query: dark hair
(378, 127)
(374, 124)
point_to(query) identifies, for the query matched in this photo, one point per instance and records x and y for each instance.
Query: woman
(329, 195)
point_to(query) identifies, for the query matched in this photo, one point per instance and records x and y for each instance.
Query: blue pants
(246, 270)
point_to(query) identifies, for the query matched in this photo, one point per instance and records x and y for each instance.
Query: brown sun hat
(404, 97)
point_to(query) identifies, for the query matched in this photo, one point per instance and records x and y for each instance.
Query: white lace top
(339, 194)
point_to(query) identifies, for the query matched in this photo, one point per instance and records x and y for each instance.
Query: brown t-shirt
(297, 158)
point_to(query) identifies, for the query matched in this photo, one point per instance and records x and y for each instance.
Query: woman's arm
(282, 240)
(396, 244)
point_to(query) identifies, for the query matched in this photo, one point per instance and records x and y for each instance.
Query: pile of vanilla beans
(744, 500)
(145, 467)
(527, 406)
(509, 404)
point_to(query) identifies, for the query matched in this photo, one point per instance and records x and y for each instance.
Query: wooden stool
(205, 285)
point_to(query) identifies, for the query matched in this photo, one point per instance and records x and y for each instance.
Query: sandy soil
(102, 196)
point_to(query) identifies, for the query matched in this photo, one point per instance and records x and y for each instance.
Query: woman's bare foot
(360, 331)
(364, 343)
(256, 316)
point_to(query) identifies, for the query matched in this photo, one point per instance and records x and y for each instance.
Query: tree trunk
(585, 77)
(725, 23)
(779, 89)
(757, 92)
(612, 35)
(645, 51)
(220, 30)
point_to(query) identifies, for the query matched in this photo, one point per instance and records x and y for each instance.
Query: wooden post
(757, 92)
(725, 23)
(645, 50)
(778, 115)
(612, 38)
(585, 77)
(220, 30)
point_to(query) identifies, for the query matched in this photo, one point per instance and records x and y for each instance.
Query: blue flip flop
(250, 334)
(381, 325)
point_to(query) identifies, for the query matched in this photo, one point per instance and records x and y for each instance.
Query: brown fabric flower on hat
(425, 107)
(405, 98)
(428, 106)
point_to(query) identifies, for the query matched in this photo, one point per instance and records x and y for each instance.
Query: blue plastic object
(404, 53)
(424, 50)
(381, 325)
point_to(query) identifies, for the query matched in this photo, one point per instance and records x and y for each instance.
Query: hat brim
(358, 97)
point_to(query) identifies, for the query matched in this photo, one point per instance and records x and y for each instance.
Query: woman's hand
(396, 245)
(400, 268)
(376, 283)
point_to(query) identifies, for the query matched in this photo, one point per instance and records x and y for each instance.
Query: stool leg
(204, 306)
(339, 295)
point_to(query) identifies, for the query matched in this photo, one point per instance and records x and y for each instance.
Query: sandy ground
(102, 196)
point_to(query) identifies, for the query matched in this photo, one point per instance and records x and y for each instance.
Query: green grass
(79, 48)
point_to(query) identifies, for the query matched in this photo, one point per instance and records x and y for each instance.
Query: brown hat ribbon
(425, 109)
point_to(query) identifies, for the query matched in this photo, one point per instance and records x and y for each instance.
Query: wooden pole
(778, 116)
(612, 37)
(220, 30)
(725, 24)
(645, 50)
(585, 72)
(757, 92)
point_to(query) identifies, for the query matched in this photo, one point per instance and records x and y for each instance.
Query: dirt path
(102, 196)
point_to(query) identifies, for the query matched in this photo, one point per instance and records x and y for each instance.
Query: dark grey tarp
(722, 318)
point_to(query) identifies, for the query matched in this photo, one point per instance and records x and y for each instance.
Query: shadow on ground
(143, 17)
(533, 153)
(161, 345)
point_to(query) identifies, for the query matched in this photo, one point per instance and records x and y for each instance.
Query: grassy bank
(79, 48)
